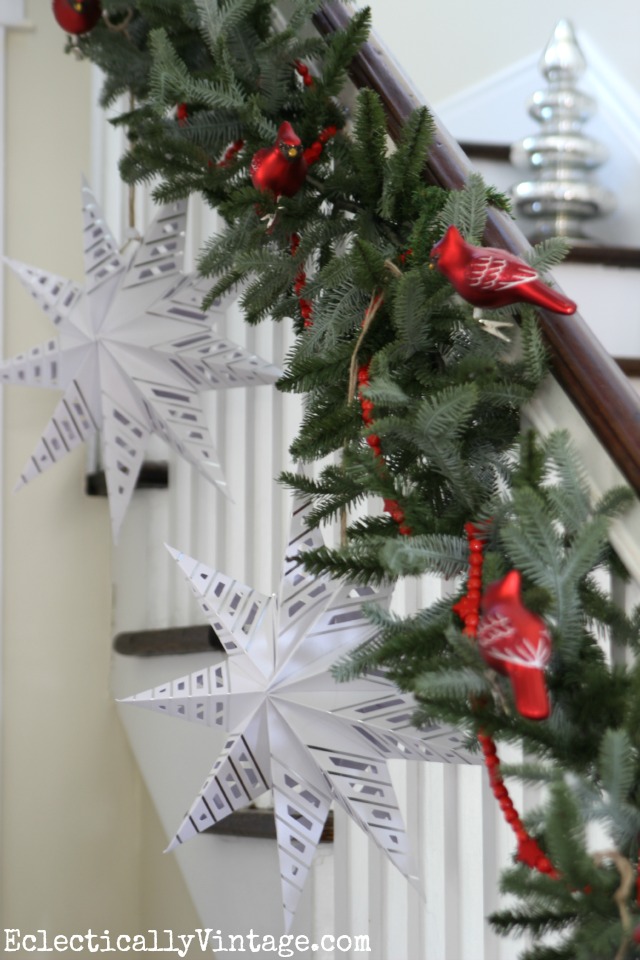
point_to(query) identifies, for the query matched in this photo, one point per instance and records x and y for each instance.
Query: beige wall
(76, 823)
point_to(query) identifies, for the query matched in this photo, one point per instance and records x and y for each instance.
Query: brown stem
(121, 27)
(624, 868)
(376, 301)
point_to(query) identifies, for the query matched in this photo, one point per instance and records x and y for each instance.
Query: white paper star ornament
(133, 351)
(291, 726)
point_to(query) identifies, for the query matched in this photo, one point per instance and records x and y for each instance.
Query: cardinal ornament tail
(549, 299)
(529, 691)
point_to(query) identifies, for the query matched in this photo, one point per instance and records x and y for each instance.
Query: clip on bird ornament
(489, 277)
(77, 16)
(515, 642)
(282, 168)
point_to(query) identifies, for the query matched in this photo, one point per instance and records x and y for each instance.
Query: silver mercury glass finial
(560, 196)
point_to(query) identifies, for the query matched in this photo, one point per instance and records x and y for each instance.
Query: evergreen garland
(417, 407)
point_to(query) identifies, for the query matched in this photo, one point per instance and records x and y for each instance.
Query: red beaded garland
(306, 307)
(182, 114)
(468, 609)
(231, 153)
(303, 70)
(311, 155)
(392, 507)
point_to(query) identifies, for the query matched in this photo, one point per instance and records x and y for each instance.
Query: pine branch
(370, 145)
(444, 556)
(467, 209)
(404, 167)
(341, 49)
(218, 20)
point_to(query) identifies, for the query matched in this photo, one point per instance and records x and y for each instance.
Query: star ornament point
(291, 727)
(132, 352)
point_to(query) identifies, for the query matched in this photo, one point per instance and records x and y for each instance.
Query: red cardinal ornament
(515, 642)
(488, 277)
(77, 16)
(282, 168)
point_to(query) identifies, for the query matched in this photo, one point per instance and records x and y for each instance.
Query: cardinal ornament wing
(493, 272)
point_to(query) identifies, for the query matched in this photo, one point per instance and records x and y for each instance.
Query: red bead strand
(304, 72)
(182, 115)
(230, 153)
(306, 307)
(468, 609)
(392, 507)
(311, 155)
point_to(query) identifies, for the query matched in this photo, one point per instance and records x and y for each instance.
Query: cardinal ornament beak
(292, 152)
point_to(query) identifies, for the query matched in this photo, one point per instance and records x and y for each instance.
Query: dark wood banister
(590, 377)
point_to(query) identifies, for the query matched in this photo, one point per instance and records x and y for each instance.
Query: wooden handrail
(590, 377)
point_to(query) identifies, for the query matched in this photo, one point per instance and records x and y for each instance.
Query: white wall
(450, 46)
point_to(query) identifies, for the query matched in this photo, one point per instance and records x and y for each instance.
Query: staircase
(459, 837)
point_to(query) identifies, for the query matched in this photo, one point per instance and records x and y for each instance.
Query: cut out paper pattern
(290, 725)
(133, 351)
